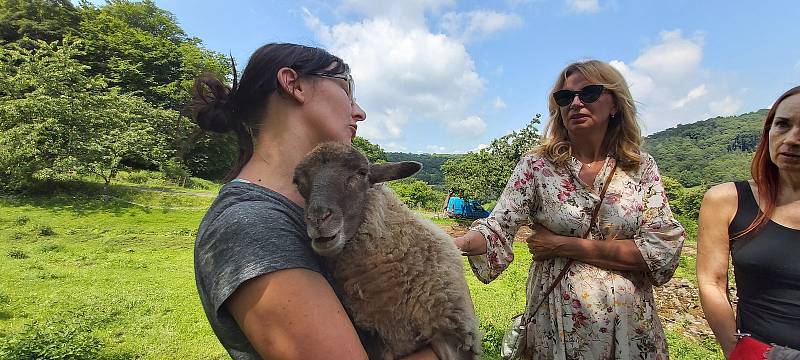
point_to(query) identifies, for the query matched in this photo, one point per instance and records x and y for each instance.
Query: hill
(710, 151)
(431, 163)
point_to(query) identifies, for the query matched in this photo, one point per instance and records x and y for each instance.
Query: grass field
(114, 280)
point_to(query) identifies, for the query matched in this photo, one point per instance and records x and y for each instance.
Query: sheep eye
(354, 179)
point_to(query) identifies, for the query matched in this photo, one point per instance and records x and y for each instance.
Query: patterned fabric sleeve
(512, 211)
(660, 237)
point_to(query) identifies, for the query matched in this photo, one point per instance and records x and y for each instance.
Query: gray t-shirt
(248, 231)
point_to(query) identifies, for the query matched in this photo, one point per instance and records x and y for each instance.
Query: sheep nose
(318, 215)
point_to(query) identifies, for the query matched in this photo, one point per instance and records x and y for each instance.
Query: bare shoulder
(720, 201)
(722, 194)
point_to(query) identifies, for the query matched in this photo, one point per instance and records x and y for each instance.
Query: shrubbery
(418, 195)
(58, 340)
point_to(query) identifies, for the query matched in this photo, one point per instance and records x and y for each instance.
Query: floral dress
(593, 313)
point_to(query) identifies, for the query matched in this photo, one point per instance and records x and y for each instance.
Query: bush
(492, 339)
(52, 340)
(45, 230)
(51, 248)
(417, 194)
(176, 172)
(17, 254)
(21, 220)
(137, 178)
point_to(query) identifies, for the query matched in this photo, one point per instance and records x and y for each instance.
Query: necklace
(589, 165)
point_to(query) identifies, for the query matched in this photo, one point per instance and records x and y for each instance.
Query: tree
(47, 20)
(136, 46)
(476, 175)
(373, 152)
(142, 50)
(483, 174)
(417, 194)
(710, 151)
(513, 146)
(56, 120)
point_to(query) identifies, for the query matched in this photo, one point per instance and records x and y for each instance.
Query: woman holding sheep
(604, 234)
(264, 291)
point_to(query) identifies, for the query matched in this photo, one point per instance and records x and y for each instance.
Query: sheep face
(334, 179)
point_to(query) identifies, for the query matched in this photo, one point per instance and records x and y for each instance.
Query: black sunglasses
(587, 95)
(351, 85)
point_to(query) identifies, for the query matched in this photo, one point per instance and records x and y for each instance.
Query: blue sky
(449, 76)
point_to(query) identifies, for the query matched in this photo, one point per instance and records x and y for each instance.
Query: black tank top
(766, 264)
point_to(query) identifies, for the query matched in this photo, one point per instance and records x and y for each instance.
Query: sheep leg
(450, 348)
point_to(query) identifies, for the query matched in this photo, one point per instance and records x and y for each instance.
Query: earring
(612, 117)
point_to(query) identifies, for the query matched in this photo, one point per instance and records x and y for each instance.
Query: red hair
(765, 172)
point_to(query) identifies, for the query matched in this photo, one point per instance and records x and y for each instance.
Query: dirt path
(678, 301)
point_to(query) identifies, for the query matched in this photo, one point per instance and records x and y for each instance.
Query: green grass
(121, 277)
(123, 271)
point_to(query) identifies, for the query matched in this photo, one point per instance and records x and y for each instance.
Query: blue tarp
(465, 209)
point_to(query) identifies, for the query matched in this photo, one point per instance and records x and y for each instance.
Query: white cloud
(725, 107)
(436, 149)
(473, 25)
(404, 73)
(407, 13)
(673, 59)
(669, 83)
(693, 94)
(641, 82)
(394, 147)
(470, 126)
(583, 5)
(499, 103)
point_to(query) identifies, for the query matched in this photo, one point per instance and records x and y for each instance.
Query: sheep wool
(402, 279)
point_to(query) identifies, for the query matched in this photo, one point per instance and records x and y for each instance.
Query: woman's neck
(588, 147)
(274, 159)
(788, 186)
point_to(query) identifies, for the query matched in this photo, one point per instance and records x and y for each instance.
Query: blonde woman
(601, 307)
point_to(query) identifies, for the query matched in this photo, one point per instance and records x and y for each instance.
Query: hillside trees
(708, 152)
(47, 20)
(56, 120)
(483, 174)
(373, 152)
(129, 51)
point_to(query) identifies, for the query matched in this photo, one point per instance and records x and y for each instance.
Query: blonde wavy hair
(623, 138)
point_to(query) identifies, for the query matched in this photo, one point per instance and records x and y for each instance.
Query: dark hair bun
(210, 106)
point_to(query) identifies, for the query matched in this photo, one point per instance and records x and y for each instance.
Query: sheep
(399, 275)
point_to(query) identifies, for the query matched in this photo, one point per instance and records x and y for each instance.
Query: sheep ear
(392, 171)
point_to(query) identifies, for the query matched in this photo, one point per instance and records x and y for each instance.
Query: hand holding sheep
(400, 276)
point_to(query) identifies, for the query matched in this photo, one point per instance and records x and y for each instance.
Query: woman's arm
(612, 254)
(472, 243)
(716, 213)
(294, 314)
(489, 241)
(655, 249)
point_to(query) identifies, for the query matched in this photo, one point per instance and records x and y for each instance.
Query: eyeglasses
(351, 85)
(588, 94)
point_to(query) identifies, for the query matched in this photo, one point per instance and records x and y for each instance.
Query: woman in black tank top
(757, 224)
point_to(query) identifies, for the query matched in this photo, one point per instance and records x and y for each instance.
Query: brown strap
(563, 271)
